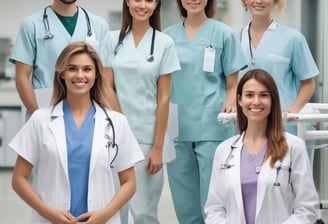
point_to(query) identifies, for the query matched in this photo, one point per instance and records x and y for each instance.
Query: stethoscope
(111, 143)
(49, 35)
(149, 57)
(228, 165)
(287, 168)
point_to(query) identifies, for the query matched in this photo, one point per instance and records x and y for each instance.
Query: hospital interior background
(308, 16)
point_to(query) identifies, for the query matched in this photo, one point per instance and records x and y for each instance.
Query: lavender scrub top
(250, 167)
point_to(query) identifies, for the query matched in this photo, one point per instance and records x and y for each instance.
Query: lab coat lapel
(236, 174)
(98, 136)
(57, 128)
(261, 189)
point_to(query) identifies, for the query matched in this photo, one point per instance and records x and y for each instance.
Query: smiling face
(79, 75)
(141, 10)
(194, 6)
(260, 8)
(255, 101)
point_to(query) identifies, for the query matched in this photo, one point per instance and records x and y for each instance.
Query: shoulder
(99, 21)
(36, 17)
(290, 33)
(293, 139)
(173, 28)
(295, 143)
(163, 37)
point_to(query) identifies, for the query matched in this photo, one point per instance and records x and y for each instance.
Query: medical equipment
(49, 34)
(111, 143)
(149, 57)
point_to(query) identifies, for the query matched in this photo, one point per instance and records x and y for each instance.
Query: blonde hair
(97, 92)
(279, 5)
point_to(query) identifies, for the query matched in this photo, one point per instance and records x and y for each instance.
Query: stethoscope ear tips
(150, 58)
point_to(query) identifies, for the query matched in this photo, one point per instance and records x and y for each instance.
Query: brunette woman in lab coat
(263, 174)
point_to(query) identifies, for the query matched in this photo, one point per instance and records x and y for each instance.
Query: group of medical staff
(193, 65)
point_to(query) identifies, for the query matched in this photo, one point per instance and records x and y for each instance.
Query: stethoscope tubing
(49, 35)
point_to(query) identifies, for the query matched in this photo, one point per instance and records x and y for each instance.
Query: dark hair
(154, 20)
(277, 145)
(97, 92)
(210, 9)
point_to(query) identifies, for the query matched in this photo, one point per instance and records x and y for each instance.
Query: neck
(64, 9)
(256, 130)
(260, 24)
(78, 105)
(140, 27)
(195, 20)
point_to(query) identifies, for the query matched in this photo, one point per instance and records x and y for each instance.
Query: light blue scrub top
(136, 78)
(200, 95)
(79, 145)
(32, 49)
(283, 53)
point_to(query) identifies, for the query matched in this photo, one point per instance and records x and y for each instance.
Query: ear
(239, 100)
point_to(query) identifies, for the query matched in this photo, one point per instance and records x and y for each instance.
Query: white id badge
(209, 59)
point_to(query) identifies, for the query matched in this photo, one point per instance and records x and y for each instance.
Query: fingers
(153, 168)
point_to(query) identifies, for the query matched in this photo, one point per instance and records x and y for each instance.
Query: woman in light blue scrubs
(139, 61)
(210, 56)
(282, 52)
(77, 147)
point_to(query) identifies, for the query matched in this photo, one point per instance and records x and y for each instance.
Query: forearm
(304, 95)
(230, 101)
(123, 194)
(24, 87)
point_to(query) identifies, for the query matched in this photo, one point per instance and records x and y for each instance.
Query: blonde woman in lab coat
(263, 174)
(76, 146)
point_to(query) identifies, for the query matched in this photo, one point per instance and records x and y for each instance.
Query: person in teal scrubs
(139, 60)
(211, 57)
(282, 52)
(41, 38)
(78, 145)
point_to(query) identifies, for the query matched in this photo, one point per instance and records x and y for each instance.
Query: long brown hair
(210, 9)
(154, 20)
(97, 92)
(277, 144)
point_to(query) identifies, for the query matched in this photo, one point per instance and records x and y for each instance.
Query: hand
(60, 217)
(154, 161)
(228, 108)
(94, 217)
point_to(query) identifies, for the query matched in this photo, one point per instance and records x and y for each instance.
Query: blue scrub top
(136, 78)
(33, 49)
(283, 53)
(200, 95)
(79, 145)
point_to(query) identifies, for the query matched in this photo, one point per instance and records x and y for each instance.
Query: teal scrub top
(283, 53)
(33, 49)
(199, 94)
(136, 78)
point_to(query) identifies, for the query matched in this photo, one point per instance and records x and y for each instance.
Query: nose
(256, 100)
(79, 73)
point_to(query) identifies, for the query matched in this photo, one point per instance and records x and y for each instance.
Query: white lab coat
(274, 204)
(42, 142)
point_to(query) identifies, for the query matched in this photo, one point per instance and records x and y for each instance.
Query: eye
(87, 69)
(71, 68)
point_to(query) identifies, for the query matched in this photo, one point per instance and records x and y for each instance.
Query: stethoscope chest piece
(150, 58)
